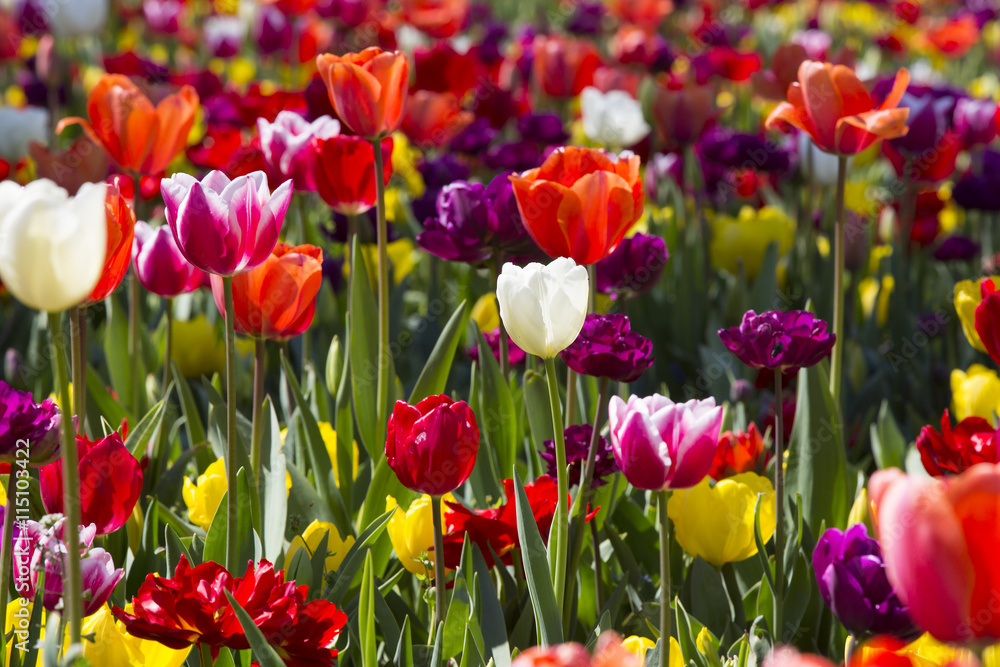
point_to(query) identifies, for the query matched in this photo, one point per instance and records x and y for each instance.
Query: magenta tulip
(159, 264)
(287, 146)
(221, 226)
(660, 444)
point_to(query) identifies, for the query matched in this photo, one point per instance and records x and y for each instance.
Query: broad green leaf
(366, 615)
(108, 406)
(139, 436)
(498, 417)
(245, 509)
(119, 363)
(457, 619)
(174, 549)
(888, 443)
(434, 376)
(215, 540)
(355, 557)
(548, 618)
(265, 655)
(492, 620)
(404, 649)
(364, 354)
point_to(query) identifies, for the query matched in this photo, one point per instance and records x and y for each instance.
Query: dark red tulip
(988, 319)
(954, 450)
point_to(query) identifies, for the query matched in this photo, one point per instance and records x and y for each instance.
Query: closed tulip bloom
(345, 173)
(716, 522)
(287, 146)
(682, 114)
(614, 118)
(21, 127)
(52, 246)
(225, 227)
(204, 497)
(433, 119)
(121, 230)
(159, 264)
(968, 295)
(368, 89)
(939, 539)
(580, 202)
(140, 137)
(607, 347)
(543, 307)
(975, 393)
(411, 532)
(432, 446)
(310, 540)
(831, 104)
(662, 445)
(777, 340)
(276, 299)
(975, 121)
(988, 319)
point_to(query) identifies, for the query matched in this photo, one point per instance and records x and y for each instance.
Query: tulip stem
(233, 547)
(838, 284)
(206, 655)
(168, 341)
(133, 343)
(779, 511)
(560, 533)
(383, 293)
(72, 587)
(665, 590)
(259, 360)
(78, 357)
(5, 554)
(504, 338)
(440, 585)
(570, 397)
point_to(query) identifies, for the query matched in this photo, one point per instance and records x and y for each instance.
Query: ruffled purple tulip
(659, 444)
(852, 579)
(577, 439)
(28, 426)
(634, 267)
(607, 347)
(159, 264)
(956, 249)
(975, 121)
(778, 340)
(221, 226)
(287, 146)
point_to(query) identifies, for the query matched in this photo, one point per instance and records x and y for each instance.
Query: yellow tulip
(198, 349)
(113, 646)
(412, 533)
(18, 619)
(745, 238)
(330, 441)
(638, 646)
(485, 313)
(336, 547)
(874, 295)
(967, 297)
(404, 163)
(203, 498)
(716, 522)
(975, 393)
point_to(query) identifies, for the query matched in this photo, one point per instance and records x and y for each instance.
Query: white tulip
(19, 127)
(614, 118)
(818, 166)
(75, 18)
(543, 307)
(52, 246)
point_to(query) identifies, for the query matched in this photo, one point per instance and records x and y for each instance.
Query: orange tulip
(433, 119)
(85, 161)
(121, 229)
(140, 137)
(647, 14)
(955, 37)
(440, 19)
(831, 104)
(580, 202)
(367, 89)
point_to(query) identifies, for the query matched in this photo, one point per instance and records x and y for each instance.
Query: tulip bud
(334, 366)
(861, 512)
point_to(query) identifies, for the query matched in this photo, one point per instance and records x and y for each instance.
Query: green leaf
(687, 634)
(435, 660)
(215, 540)
(536, 405)
(366, 615)
(457, 620)
(404, 649)
(108, 406)
(344, 426)
(139, 436)
(355, 557)
(116, 349)
(498, 417)
(364, 353)
(384, 483)
(548, 618)
(274, 503)
(175, 549)
(434, 376)
(245, 509)
(888, 443)
(759, 541)
(265, 655)
(492, 620)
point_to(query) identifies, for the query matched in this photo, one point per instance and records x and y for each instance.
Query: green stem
(838, 282)
(5, 554)
(133, 343)
(72, 587)
(560, 533)
(440, 585)
(779, 512)
(504, 338)
(168, 341)
(206, 655)
(665, 592)
(570, 397)
(258, 401)
(233, 547)
(78, 354)
(383, 293)
(598, 577)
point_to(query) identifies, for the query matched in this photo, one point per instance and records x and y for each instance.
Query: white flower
(818, 166)
(52, 246)
(19, 127)
(543, 307)
(74, 18)
(614, 119)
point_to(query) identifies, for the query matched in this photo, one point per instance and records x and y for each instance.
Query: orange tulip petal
(899, 86)
(887, 124)
(541, 204)
(598, 216)
(855, 98)
(175, 116)
(822, 101)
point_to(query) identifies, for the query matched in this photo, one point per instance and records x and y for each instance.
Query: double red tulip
(988, 318)
(954, 450)
(345, 172)
(121, 229)
(432, 446)
(277, 298)
(433, 119)
(367, 89)
(110, 482)
(580, 202)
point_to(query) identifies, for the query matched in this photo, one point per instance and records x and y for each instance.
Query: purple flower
(975, 121)
(515, 355)
(851, 577)
(778, 340)
(634, 267)
(744, 151)
(163, 15)
(929, 118)
(586, 18)
(607, 347)
(956, 249)
(272, 30)
(542, 128)
(475, 138)
(24, 421)
(287, 147)
(513, 156)
(159, 265)
(577, 448)
(978, 193)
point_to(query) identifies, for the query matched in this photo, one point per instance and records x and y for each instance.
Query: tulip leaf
(386, 623)
(174, 549)
(302, 499)
(384, 483)
(344, 426)
(484, 479)
(435, 660)
(264, 654)
(215, 540)
(498, 416)
(539, 413)
(434, 377)
(888, 443)
(245, 511)
(457, 619)
(494, 627)
(366, 615)
(470, 652)
(404, 649)
(705, 592)
(687, 633)
(548, 617)
(355, 556)
(225, 658)
(798, 593)
(364, 354)
(274, 503)
(108, 406)
(759, 541)
(116, 349)
(139, 436)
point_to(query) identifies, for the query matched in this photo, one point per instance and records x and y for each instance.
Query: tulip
(607, 348)
(21, 127)
(716, 522)
(434, 119)
(412, 533)
(742, 451)
(367, 89)
(221, 226)
(163, 16)
(287, 146)
(683, 114)
(203, 499)
(562, 655)
(159, 264)
(968, 296)
(743, 241)
(975, 393)
(77, 19)
(345, 172)
(987, 319)
(140, 137)
(310, 540)
(23, 420)
(928, 120)
(562, 66)
(85, 161)
(975, 121)
(735, 150)
(439, 19)
(778, 340)
(786, 656)
(577, 438)
(120, 232)
(939, 541)
(773, 84)
(223, 35)
(112, 645)
(542, 128)
(52, 246)
(634, 267)
(955, 450)
(613, 119)
(580, 202)
(271, 30)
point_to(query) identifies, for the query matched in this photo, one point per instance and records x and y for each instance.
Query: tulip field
(556, 333)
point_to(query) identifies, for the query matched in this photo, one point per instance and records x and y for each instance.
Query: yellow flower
(975, 393)
(404, 163)
(401, 259)
(716, 522)
(925, 651)
(412, 533)
(336, 547)
(199, 350)
(967, 298)
(861, 511)
(744, 239)
(823, 246)
(638, 646)
(871, 291)
(485, 313)
(242, 71)
(330, 441)
(18, 620)
(878, 253)
(203, 498)
(113, 646)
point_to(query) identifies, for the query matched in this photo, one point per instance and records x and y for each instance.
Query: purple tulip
(221, 226)
(978, 193)
(475, 138)
(956, 249)
(542, 128)
(734, 150)
(659, 444)
(577, 439)
(159, 264)
(287, 146)
(852, 579)
(777, 340)
(515, 355)
(30, 426)
(224, 35)
(586, 19)
(975, 121)
(634, 267)
(513, 156)
(928, 120)
(607, 347)
(272, 31)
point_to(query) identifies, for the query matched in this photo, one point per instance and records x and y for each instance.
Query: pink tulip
(159, 264)
(786, 656)
(221, 226)
(940, 539)
(287, 146)
(660, 444)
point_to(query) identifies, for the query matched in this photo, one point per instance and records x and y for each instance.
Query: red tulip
(725, 62)
(432, 446)
(121, 229)
(345, 172)
(442, 69)
(988, 319)
(367, 89)
(563, 67)
(955, 37)
(773, 84)
(683, 113)
(931, 166)
(647, 14)
(110, 482)
(954, 450)
(85, 161)
(742, 451)
(433, 119)
(440, 19)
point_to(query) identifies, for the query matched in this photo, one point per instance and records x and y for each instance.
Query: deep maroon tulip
(975, 121)
(29, 427)
(577, 448)
(977, 193)
(634, 267)
(607, 347)
(928, 120)
(272, 31)
(956, 249)
(954, 450)
(777, 340)
(432, 446)
(750, 152)
(159, 264)
(542, 128)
